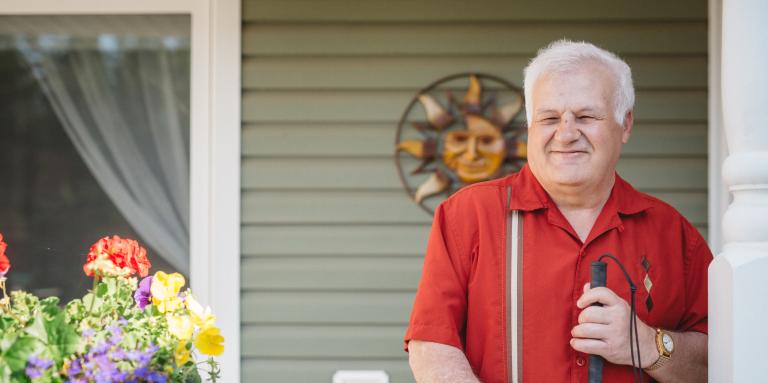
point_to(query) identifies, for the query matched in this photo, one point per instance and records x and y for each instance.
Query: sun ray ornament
(444, 143)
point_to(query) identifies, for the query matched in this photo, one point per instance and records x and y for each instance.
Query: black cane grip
(595, 369)
(599, 274)
(599, 271)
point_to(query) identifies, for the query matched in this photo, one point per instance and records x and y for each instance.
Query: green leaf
(60, 337)
(151, 310)
(16, 356)
(6, 323)
(91, 303)
(102, 289)
(50, 306)
(5, 371)
(194, 377)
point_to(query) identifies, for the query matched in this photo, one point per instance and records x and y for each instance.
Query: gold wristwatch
(666, 347)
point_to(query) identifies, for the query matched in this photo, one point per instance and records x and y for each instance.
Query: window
(214, 151)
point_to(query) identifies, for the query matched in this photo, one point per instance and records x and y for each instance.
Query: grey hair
(565, 55)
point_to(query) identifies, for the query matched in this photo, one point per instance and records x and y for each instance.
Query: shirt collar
(529, 195)
(527, 192)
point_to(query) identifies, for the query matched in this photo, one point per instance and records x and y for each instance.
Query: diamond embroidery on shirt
(648, 284)
(646, 264)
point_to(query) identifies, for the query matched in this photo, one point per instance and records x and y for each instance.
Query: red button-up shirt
(461, 300)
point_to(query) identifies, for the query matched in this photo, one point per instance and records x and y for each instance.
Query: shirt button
(580, 361)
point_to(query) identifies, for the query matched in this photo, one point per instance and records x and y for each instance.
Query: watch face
(668, 344)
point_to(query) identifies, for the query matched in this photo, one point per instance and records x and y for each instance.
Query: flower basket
(122, 330)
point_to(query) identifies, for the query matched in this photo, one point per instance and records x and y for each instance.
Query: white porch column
(738, 278)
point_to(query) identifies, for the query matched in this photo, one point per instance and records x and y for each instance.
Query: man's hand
(604, 330)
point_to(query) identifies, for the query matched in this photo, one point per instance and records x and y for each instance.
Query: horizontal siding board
(692, 205)
(327, 39)
(319, 72)
(324, 342)
(377, 140)
(668, 139)
(393, 207)
(665, 174)
(380, 173)
(335, 240)
(386, 207)
(318, 371)
(485, 10)
(331, 273)
(309, 307)
(388, 106)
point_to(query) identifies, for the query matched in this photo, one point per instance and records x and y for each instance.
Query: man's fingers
(602, 295)
(589, 346)
(594, 314)
(590, 330)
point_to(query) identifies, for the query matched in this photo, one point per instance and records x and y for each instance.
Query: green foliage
(107, 315)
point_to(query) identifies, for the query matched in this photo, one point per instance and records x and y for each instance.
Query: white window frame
(214, 145)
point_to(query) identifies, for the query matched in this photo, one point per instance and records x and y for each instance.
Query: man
(573, 208)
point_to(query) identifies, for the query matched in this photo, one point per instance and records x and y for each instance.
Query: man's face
(574, 139)
(475, 154)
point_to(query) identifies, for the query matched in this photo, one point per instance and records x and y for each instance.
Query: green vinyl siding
(332, 246)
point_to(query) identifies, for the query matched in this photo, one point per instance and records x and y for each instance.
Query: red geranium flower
(5, 264)
(117, 255)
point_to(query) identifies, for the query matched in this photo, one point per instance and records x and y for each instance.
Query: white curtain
(125, 106)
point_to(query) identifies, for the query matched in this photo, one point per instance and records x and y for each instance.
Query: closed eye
(549, 120)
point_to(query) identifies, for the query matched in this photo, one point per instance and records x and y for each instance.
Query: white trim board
(214, 146)
(719, 197)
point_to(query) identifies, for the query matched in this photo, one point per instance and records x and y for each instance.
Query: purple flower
(157, 377)
(143, 295)
(40, 363)
(142, 373)
(33, 373)
(36, 366)
(99, 348)
(74, 368)
(118, 354)
(115, 330)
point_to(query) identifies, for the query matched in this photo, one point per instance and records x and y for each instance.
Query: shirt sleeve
(697, 260)
(439, 309)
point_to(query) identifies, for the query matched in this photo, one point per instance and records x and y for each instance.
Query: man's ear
(626, 127)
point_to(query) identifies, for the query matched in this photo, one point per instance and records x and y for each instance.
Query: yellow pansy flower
(180, 326)
(201, 317)
(165, 291)
(182, 354)
(210, 342)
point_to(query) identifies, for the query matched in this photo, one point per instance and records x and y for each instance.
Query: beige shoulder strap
(515, 291)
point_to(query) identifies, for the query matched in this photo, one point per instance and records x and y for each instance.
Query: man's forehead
(579, 90)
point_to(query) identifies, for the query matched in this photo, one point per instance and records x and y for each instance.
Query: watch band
(663, 359)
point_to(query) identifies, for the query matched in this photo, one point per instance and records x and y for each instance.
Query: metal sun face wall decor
(443, 144)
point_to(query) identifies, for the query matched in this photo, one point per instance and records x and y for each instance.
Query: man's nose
(567, 130)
